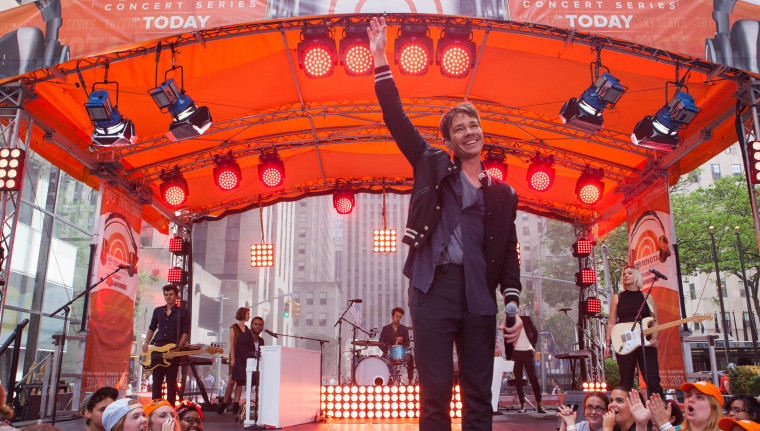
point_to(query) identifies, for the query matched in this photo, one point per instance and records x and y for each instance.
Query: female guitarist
(623, 309)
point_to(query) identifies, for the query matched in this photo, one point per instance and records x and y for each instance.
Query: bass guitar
(625, 340)
(159, 356)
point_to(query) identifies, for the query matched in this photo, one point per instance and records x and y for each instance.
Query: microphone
(511, 311)
(358, 301)
(657, 273)
(125, 266)
(271, 333)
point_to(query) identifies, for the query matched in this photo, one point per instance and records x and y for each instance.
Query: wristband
(665, 426)
(571, 427)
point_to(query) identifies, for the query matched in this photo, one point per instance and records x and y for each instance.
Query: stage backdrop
(84, 28)
(112, 304)
(650, 235)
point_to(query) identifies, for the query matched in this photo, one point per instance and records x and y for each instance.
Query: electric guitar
(625, 340)
(159, 356)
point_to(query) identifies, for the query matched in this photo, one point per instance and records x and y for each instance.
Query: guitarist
(170, 324)
(623, 309)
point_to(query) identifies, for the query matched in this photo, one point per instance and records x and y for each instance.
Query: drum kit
(381, 370)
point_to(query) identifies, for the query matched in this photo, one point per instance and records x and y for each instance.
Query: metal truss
(15, 132)
(520, 28)
(748, 130)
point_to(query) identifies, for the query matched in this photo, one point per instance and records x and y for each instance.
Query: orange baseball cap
(726, 424)
(706, 388)
(153, 405)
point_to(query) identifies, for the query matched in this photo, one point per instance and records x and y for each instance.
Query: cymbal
(368, 343)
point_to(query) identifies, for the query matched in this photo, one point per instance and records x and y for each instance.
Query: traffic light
(296, 309)
(286, 312)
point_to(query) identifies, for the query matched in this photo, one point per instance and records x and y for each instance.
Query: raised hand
(640, 413)
(660, 414)
(568, 415)
(378, 38)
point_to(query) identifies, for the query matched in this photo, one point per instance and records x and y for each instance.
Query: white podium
(500, 366)
(288, 386)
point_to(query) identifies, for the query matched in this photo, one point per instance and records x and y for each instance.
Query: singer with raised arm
(623, 309)
(170, 324)
(394, 338)
(463, 246)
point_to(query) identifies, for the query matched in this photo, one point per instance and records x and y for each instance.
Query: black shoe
(540, 408)
(221, 407)
(235, 408)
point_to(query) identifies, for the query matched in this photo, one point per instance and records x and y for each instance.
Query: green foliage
(740, 378)
(611, 373)
(560, 265)
(563, 331)
(617, 254)
(753, 388)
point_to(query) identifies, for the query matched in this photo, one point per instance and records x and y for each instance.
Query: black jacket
(431, 165)
(530, 330)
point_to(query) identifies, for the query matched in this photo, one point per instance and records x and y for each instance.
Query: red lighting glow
(176, 275)
(582, 248)
(174, 188)
(357, 59)
(271, 169)
(11, 166)
(413, 59)
(262, 255)
(594, 386)
(591, 306)
(380, 409)
(540, 173)
(343, 201)
(227, 175)
(384, 241)
(316, 53)
(585, 278)
(176, 245)
(455, 61)
(590, 187)
(495, 166)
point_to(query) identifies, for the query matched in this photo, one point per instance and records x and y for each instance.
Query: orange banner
(650, 235)
(112, 303)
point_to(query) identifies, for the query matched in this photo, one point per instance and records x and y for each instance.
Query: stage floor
(506, 421)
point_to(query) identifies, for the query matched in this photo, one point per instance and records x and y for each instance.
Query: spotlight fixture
(582, 248)
(316, 52)
(540, 173)
(456, 52)
(753, 153)
(177, 276)
(11, 171)
(590, 187)
(355, 55)
(660, 132)
(343, 201)
(586, 113)
(585, 278)
(178, 246)
(594, 386)
(271, 169)
(262, 255)
(111, 128)
(384, 240)
(190, 121)
(495, 166)
(174, 190)
(413, 50)
(590, 306)
(227, 175)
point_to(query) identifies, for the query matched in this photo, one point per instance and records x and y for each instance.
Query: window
(529, 285)
(741, 289)
(693, 291)
(322, 319)
(715, 168)
(525, 246)
(296, 296)
(525, 216)
(528, 266)
(723, 290)
(302, 232)
(322, 298)
(301, 249)
(309, 298)
(736, 169)
(526, 230)
(301, 266)
(309, 319)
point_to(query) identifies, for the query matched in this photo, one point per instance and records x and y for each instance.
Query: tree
(563, 331)
(617, 255)
(723, 205)
(559, 265)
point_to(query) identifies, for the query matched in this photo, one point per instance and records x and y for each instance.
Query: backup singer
(396, 334)
(242, 315)
(461, 230)
(169, 324)
(623, 309)
(525, 359)
(248, 346)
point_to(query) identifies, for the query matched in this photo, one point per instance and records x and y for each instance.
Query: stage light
(227, 175)
(519, 260)
(316, 52)
(586, 113)
(582, 248)
(585, 278)
(456, 52)
(262, 255)
(590, 306)
(495, 166)
(590, 187)
(11, 170)
(174, 189)
(660, 131)
(178, 246)
(540, 173)
(343, 201)
(413, 50)
(111, 128)
(753, 154)
(177, 276)
(271, 169)
(594, 386)
(355, 55)
(384, 240)
(190, 121)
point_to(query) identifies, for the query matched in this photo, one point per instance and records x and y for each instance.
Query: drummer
(395, 338)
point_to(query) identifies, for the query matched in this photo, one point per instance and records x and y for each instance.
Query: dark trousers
(441, 320)
(170, 373)
(524, 359)
(627, 363)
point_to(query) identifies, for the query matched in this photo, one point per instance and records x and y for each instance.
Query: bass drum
(373, 370)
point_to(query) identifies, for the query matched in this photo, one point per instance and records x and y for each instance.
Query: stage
(506, 421)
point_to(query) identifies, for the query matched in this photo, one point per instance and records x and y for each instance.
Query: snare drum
(397, 353)
(373, 370)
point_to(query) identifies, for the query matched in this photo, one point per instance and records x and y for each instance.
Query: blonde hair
(638, 280)
(712, 424)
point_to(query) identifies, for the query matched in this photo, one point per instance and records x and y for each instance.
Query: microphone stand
(256, 425)
(639, 320)
(66, 309)
(339, 324)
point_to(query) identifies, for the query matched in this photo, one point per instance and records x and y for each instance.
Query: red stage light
(540, 173)
(384, 241)
(178, 246)
(495, 166)
(355, 55)
(591, 306)
(177, 276)
(413, 50)
(316, 53)
(174, 188)
(753, 153)
(456, 52)
(227, 175)
(582, 248)
(519, 260)
(262, 255)
(271, 169)
(343, 201)
(585, 278)
(590, 187)
(11, 168)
